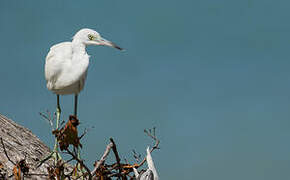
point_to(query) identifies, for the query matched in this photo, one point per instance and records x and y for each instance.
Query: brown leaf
(50, 172)
(102, 173)
(68, 134)
(20, 167)
(56, 172)
(17, 172)
(23, 166)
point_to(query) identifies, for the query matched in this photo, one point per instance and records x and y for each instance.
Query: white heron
(67, 63)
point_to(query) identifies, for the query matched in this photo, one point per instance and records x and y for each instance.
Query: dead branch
(157, 141)
(117, 156)
(84, 133)
(103, 158)
(136, 155)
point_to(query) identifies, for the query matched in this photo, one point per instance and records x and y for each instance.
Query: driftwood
(20, 144)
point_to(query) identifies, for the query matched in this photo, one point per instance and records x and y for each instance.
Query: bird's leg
(55, 154)
(77, 149)
(58, 112)
(75, 114)
(76, 105)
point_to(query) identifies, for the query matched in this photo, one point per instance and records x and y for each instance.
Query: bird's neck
(78, 47)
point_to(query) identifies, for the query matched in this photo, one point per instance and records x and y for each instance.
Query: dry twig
(117, 157)
(153, 136)
(48, 117)
(103, 158)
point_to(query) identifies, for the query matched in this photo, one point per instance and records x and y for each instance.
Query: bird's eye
(91, 37)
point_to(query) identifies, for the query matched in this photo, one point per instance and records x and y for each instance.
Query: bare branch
(117, 157)
(136, 155)
(48, 118)
(155, 145)
(103, 158)
(116, 154)
(84, 133)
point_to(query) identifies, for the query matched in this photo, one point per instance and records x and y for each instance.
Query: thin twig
(136, 155)
(6, 152)
(114, 175)
(69, 160)
(47, 117)
(84, 133)
(155, 145)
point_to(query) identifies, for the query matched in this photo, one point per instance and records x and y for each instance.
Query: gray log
(21, 143)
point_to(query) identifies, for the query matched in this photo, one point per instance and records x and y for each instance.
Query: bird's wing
(57, 57)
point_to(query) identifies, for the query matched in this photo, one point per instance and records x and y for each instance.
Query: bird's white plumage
(66, 68)
(66, 63)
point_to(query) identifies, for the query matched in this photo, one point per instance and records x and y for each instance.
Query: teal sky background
(212, 76)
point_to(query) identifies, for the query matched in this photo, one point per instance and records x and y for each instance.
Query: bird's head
(91, 37)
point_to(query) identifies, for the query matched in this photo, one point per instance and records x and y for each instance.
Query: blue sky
(212, 76)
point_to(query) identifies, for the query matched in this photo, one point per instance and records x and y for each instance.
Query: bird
(66, 63)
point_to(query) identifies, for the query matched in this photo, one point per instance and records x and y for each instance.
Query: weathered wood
(21, 143)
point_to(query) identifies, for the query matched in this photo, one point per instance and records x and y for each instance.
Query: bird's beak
(105, 42)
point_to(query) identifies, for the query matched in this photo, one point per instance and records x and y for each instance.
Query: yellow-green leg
(54, 154)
